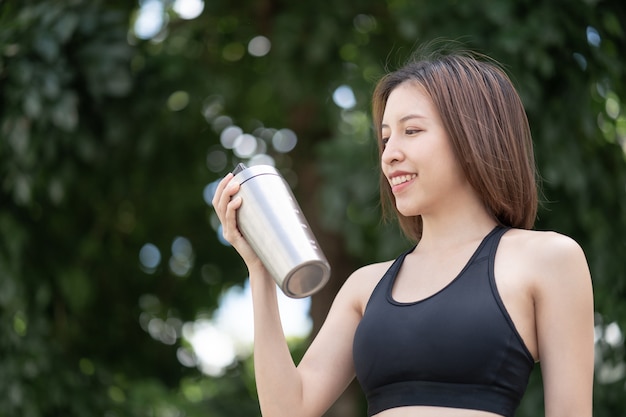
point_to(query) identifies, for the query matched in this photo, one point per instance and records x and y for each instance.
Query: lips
(401, 179)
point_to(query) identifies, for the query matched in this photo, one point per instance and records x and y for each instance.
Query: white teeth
(402, 178)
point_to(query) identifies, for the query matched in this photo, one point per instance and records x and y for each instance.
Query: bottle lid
(243, 173)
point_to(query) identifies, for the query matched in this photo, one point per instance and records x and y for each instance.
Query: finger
(220, 189)
(230, 229)
(227, 210)
(231, 189)
(226, 190)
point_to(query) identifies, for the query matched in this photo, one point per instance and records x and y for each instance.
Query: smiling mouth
(401, 179)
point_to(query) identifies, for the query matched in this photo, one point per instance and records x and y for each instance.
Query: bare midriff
(423, 411)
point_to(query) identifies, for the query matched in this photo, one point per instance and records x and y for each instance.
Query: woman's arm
(565, 326)
(326, 369)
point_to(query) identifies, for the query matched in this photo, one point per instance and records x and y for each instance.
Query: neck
(462, 224)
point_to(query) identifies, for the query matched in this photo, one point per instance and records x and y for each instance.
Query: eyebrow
(405, 118)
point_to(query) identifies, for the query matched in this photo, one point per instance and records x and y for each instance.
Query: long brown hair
(487, 126)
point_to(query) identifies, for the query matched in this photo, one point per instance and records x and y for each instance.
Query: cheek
(447, 160)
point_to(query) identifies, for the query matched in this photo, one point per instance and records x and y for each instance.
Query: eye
(413, 131)
(384, 141)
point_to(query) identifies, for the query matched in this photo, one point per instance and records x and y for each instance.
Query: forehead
(408, 98)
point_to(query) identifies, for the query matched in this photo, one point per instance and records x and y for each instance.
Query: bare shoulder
(543, 243)
(550, 258)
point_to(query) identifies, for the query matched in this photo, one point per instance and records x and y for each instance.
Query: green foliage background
(108, 142)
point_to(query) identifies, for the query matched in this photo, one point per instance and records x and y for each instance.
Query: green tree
(109, 140)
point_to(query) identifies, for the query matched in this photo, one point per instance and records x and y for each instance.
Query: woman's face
(418, 160)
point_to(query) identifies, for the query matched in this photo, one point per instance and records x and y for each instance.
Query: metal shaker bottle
(271, 221)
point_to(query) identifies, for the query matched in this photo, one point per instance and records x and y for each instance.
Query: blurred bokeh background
(117, 296)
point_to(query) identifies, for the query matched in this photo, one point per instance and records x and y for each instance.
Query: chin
(408, 211)
(409, 207)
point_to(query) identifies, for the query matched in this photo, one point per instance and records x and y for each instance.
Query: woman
(454, 326)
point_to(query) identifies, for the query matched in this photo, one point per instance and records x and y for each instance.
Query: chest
(460, 330)
(460, 333)
(422, 276)
(458, 306)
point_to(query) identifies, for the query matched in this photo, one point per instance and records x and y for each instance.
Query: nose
(391, 153)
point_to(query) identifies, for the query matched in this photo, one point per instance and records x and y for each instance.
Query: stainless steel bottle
(271, 221)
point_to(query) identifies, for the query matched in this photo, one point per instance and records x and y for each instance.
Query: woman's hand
(226, 208)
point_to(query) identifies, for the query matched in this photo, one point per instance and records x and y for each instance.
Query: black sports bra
(457, 348)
